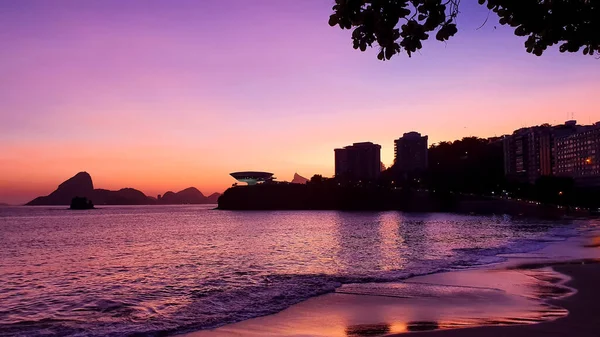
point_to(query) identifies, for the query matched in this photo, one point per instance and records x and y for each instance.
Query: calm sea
(156, 270)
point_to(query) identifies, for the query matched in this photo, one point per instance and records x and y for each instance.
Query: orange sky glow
(160, 103)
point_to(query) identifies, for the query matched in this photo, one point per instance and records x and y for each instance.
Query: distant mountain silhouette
(81, 186)
(78, 186)
(214, 198)
(3, 204)
(190, 195)
(298, 179)
(124, 196)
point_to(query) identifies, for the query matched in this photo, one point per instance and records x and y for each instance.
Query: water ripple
(160, 270)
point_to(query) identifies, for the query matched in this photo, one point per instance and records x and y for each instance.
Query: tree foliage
(471, 165)
(317, 179)
(396, 25)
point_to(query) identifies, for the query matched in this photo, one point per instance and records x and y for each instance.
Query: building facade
(578, 155)
(358, 162)
(516, 154)
(561, 150)
(410, 152)
(528, 153)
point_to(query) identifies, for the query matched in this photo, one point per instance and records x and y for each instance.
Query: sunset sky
(163, 95)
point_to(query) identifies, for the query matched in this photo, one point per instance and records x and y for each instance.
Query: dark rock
(81, 203)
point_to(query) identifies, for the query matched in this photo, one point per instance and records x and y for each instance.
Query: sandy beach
(545, 293)
(583, 308)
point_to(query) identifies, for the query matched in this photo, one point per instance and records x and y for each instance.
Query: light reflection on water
(120, 270)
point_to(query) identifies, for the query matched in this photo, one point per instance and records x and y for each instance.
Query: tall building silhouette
(578, 155)
(567, 150)
(411, 152)
(359, 161)
(528, 153)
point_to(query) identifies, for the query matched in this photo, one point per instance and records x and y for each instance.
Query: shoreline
(336, 197)
(568, 272)
(582, 306)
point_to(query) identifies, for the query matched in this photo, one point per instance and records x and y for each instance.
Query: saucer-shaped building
(252, 177)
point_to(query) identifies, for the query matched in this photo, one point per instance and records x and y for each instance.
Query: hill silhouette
(214, 198)
(81, 186)
(190, 195)
(298, 179)
(124, 196)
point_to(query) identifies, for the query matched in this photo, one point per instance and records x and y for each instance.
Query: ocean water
(163, 270)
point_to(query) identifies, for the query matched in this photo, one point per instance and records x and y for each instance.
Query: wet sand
(534, 294)
(439, 301)
(583, 307)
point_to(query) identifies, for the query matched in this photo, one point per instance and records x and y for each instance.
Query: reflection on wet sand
(366, 330)
(594, 242)
(422, 326)
(433, 302)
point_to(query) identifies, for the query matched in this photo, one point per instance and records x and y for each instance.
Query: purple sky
(160, 95)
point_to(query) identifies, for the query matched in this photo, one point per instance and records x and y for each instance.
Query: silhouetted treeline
(476, 166)
(557, 191)
(327, 194)
(316, 195)
(470, 165)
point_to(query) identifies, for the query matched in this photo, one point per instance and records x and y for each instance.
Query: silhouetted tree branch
(396, 25)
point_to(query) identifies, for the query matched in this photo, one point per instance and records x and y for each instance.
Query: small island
(79, 203)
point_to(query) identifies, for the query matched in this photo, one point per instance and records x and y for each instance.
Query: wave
(168, 307)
